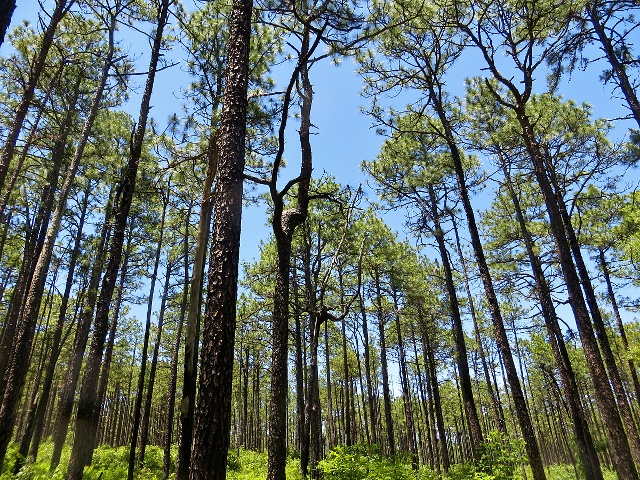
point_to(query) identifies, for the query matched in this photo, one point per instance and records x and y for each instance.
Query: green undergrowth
(499, 459)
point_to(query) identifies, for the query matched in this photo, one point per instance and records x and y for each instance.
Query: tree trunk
(616, 312)
(211, 432)
(16, 370)
(67, 395)
(6, 12)
(144, 427)
(458, 332)
(391, 444)
(404, 377)
(619, 69)
(145, 343)
(496, 406)
(60, 10)
(174, 356)
(57, 338)
(88, 410)
(436, 405)
(586, 450)
(188, 402)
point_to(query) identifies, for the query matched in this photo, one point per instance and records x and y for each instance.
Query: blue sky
(343, 136)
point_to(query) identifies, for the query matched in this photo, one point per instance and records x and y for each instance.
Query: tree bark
(137, 409)
(88, 411)
(213, 414)
(6, 12)
(586, 450)
(173, 376)
(60, 10)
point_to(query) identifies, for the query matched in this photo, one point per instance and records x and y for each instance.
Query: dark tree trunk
(16, 370)
(404, 380)
(173, 376)
(620, 451)
(146, 417)
(189, 375)
(6, 12)
(213, 414)
(391, 444)
(373, 415)
(88, 410)
(496, 406)
(458, 332)
(618, 67)
(137, 409)
(586, 450)
(57, 336)
(616, 312)
(435, 404)
(67, 395)
(284, 223)
(60, 10)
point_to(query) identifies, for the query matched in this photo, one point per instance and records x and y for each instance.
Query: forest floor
(111, 463)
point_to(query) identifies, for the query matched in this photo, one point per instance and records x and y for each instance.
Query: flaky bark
(213, 413)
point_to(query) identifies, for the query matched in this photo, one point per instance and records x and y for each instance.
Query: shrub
(360, 462)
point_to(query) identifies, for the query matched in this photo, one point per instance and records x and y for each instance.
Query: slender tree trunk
(524, 419)
(211, 432)
(408, 409)
(57, 338)
(144, 428)
(434, 393)
(284, 223)
(373, 415)
(586, 450)
(620, 450)
(616, 312)
(67, 395)
(174, 356)
(88, 410)
(16, 369)
(60, 10)
(391, 444)
(496, 406)
(188, 402)
(137, 409)
(618, 67)
(458, 332)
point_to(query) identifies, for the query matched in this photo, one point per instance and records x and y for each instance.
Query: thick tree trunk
(598, 322)
(6, 12)
(213, 414)
(189, 375)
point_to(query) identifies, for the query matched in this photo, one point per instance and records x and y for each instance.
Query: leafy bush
(498, 459)
(360, 462)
